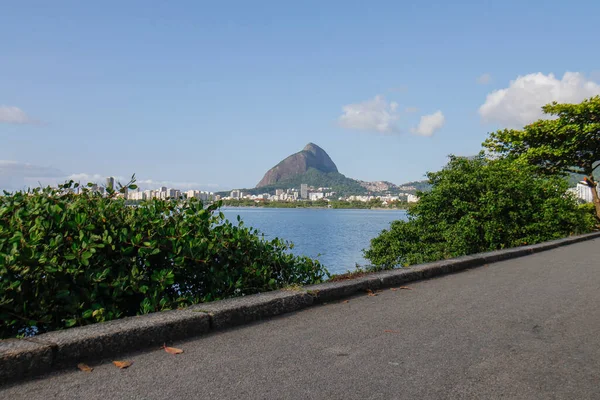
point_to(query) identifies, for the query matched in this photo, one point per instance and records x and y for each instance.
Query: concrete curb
(22, 358)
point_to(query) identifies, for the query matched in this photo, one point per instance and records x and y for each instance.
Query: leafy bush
(478, 205)
(68, 260)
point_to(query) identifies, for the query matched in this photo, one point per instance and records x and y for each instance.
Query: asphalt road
(527, 328)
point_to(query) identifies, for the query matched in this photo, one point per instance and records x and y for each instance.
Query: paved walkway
(527, 328)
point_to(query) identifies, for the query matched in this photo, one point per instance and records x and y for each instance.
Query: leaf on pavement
(85, 367)
(123, 364)
(393, 289)
(172, 350)
(346, 301)
(370, 293)
(405, 288)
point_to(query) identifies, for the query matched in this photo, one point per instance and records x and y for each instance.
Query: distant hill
(576, 178)
(389, 187)
(415, 186)
(313, 166)
(338, 183)
(311, 157)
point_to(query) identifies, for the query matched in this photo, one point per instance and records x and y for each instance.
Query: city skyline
(209, 96)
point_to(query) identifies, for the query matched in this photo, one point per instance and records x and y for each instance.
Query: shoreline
(320, 208)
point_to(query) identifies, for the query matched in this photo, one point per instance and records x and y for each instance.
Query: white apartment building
(316, 196)
(198, 194)
(584, 192)
(411, 198)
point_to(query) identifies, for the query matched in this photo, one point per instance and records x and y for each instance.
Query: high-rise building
(304, 191)
(110, 182)
(584, 192)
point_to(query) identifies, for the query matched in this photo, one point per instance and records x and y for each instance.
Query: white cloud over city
(14, 115)
(21, 176)
(374, 115)
(520, 103)
(429, 124)
(154, 184)
(16, 175)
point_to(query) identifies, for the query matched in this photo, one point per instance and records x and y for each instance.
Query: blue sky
(210, 95)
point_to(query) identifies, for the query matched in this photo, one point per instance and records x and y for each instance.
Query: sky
(210, 95)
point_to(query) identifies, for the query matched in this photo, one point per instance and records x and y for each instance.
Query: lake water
(334, 237)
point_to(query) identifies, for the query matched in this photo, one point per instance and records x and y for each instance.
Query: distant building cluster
(280, 195)
(169, 193)
(385, 199)
(162, 193)
(314, 194)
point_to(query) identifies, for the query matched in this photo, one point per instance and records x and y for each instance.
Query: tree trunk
(593, 184)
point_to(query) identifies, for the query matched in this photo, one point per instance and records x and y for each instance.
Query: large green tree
(569, 141)
(476, 205)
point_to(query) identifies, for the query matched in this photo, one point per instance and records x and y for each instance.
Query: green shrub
(478, 205)
(69, 260)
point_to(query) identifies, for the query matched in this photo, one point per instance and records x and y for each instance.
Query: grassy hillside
(315, 178)
(339, 183)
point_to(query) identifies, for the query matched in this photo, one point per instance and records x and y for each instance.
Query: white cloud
(14, 115)
(14, 168)
(411, 110)
(16, 175)
(141, 183)
(484, 79)
(154, 184)
(20, 176)
(429, 124)
(85, 178)
(375, 115)
(520, 103)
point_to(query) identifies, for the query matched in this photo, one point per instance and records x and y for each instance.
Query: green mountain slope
(315, 178)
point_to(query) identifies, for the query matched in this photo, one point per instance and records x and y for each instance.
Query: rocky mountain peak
(312, 156)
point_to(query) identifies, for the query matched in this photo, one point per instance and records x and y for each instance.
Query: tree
(568, 142)
(476, 205)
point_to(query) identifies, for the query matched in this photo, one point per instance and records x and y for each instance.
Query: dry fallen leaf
(393, 289)
(172, 350)
(370, 293)
(85, 367)
(405, 288)
(346, 301)
(391, 331)
(123, 364)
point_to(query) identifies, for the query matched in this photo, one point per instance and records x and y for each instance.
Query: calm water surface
(334, 237)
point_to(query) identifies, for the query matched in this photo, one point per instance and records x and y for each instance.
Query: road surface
(527, 328)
